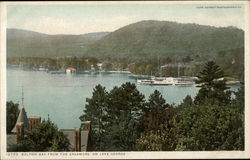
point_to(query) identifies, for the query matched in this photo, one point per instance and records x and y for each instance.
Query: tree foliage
(157, 132)
(115, 116)
(155, 100)
(213, 121)
(12, 115)
(187, 101)
(95, 111)
(44, 137)
(210, 126)
(161, 140)
(125, 107)
(213, 85)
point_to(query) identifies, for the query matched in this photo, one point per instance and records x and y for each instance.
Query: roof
(22, 118)
(71, 68)
(70, 133)
(86, 122)
(35, 117)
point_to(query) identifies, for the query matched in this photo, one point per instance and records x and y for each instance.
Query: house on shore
(100, 66)
(70, 70)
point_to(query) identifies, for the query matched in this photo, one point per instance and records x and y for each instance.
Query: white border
(122, 155)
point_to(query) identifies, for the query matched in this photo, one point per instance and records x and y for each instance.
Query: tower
(22, 118)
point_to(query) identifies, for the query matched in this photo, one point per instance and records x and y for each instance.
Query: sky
(87, 18)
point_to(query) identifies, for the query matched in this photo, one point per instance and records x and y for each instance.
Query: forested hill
(23, 43)
(147, 39)
(144, 39)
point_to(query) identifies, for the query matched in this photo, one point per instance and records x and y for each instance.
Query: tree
(156, 112)
(114, 116)
(187, 101)
(240, 99)
(126, 100)
(44, 137)
(158, 130)
(156, 101)
(161, 140)
(150, 69)
(209, 126)
(213, 85)
(95, 111)
(125, 107)
(12, 115)
(158, 133)
(187, 59)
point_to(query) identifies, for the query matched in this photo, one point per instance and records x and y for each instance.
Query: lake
(63, 96)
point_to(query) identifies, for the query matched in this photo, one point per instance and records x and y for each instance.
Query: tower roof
(22, 118)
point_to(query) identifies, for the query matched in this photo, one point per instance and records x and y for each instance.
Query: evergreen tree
(187, 101)
(240, 99)
(156, 100)
(12, 115)
(95, 111)
(157, 131)
(213, 85)
(125, 107)
(156, 112)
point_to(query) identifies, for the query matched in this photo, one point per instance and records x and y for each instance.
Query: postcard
(125, 80)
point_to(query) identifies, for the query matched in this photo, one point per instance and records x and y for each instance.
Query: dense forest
(23, 43)
(149, 39)
(141, 40)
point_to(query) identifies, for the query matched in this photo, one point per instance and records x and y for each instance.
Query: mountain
(149, 39)
(142, 40)
(23, 43)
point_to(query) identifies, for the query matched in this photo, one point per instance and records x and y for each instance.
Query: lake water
(63, 97)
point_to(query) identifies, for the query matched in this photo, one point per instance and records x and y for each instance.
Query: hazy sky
(85, 18)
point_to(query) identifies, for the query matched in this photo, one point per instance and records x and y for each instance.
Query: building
(42, 68)
(70, 70)
(23, 123)
(92, 68)
(22, 119)
(99, 65)
(79, 138)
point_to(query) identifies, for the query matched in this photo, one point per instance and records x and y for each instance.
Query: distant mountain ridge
(140, 40)
(147, 39)
(24, 43)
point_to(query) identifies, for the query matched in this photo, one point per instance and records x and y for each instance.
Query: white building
(70, 70)
(99, 65)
